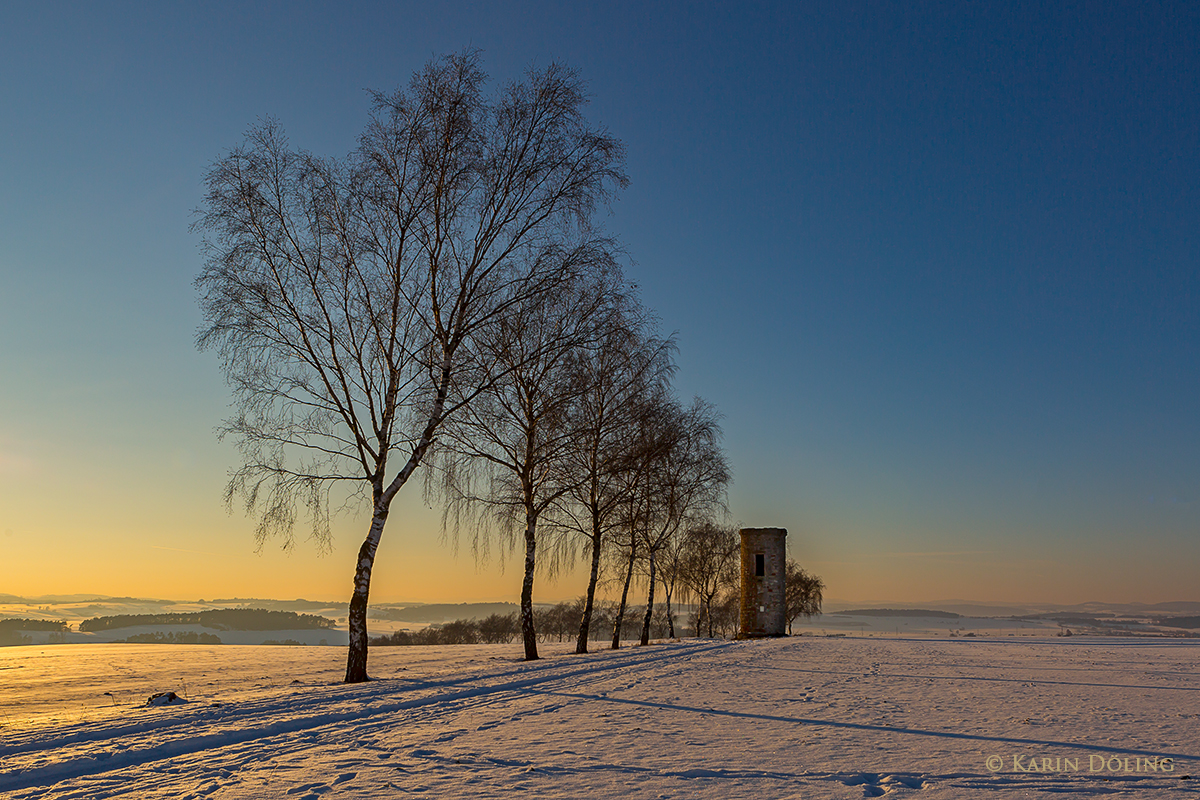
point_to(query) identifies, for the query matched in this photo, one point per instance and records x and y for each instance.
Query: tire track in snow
(370, 703)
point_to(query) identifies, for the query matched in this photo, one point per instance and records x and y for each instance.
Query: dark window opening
(760, 565)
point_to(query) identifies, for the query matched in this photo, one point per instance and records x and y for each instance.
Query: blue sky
(938, 266)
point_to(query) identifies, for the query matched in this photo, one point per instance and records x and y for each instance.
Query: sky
(937, 264)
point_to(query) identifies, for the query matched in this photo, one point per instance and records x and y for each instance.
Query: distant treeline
(225, 619)
(275, 605)
(10, 630)
(553, 623)
(900, 612)
(177, 637)
(1108, 623)
(32, 625)
(1078, 620)
(494, 629)
(442, 612)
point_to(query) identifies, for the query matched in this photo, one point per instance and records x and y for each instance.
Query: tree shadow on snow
(861, 726)
(1027, 681)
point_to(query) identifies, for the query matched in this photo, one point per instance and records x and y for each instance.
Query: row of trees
(704, 563)
(10, 630)
(15, 624)
(493, 629)
(443, 297)
(579, 447)
(358, 304)
(718, 612)
(228, 619)
(558, 623)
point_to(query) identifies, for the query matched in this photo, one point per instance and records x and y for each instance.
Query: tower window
(760, 565)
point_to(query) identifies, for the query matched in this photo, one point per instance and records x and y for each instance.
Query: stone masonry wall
(763, 600)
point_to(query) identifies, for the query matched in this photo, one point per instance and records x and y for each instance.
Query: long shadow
(1050, 639)
(602, 660)
(579, 767)
(860, 726)
(1111, 666)
(973, 678)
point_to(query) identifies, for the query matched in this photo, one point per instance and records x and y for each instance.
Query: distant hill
(178, 637)
(900, 612)
(276, 605)
(1078, 620)
(230, 619)
(63, 599)
(1179, 607)
(32, 625)
(10, 630)
(441, 612)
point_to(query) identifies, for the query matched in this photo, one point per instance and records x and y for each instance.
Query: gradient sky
(937, 265)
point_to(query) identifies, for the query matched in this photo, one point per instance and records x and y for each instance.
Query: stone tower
(764, 567)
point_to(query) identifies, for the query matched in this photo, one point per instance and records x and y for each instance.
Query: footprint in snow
(315, 790)
(876, 785)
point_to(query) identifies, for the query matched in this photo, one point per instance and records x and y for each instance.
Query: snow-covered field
(803, 717)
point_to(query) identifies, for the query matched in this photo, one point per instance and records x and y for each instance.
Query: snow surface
(807, 717)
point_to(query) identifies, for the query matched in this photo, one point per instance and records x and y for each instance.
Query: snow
(811, 717)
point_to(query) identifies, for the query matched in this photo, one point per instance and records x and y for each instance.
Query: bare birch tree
(670, 576)
(687, 477)
(345, 297)
(676, 469)
(503, 453)
(612, 380)
(633, 477)
(803, 593)
(708, 566)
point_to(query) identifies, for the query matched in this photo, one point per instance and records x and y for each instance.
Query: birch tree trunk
(670, 617)
(528, 634)
(356, 659)
(616, 640)
(649, 605)
(589, 604)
